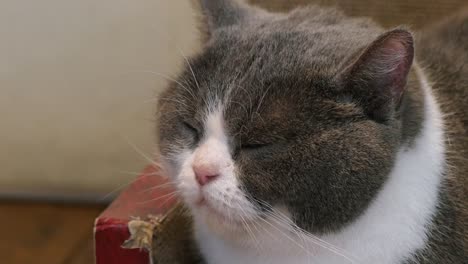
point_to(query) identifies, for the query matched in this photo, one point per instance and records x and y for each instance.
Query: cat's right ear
(221, 13)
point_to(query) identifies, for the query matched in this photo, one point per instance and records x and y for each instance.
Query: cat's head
(297, 111)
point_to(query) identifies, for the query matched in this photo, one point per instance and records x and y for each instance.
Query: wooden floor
(33, 233)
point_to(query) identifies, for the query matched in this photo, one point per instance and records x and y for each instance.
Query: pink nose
(205, 173)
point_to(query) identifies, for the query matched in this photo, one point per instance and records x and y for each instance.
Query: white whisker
(282, 219)
(284, 233)
(191, 69)
(135, 173)
(164, 185)
(139, 151)
(252, 234)
(167, 196)
(119, 188)
(169, 78)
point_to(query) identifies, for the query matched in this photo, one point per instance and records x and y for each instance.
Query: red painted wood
(141, 198)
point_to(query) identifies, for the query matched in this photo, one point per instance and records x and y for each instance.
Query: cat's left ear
(377, 78)
(222, 13)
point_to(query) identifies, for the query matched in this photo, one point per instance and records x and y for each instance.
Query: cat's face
(274, 115)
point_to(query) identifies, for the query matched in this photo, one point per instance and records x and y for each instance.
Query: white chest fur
(394, 226)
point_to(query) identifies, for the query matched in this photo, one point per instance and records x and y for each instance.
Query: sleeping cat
(312, 137)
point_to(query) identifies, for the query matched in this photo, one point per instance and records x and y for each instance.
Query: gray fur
(443, 52)
(223, 13)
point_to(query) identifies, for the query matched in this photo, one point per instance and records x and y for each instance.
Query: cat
(313, 137)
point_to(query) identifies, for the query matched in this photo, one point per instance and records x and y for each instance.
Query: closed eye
(191, 129)
(254, 146)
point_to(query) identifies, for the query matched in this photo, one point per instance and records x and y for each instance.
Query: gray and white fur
(312, 137)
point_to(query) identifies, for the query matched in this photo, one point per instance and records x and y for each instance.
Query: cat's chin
(217, 218)
(220, 223)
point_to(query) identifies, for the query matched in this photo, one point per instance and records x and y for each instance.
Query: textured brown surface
(46, 233)
(415, 13)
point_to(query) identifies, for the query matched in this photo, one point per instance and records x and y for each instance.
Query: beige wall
(75, 81)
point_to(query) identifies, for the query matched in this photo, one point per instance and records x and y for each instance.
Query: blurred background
(78, 82)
